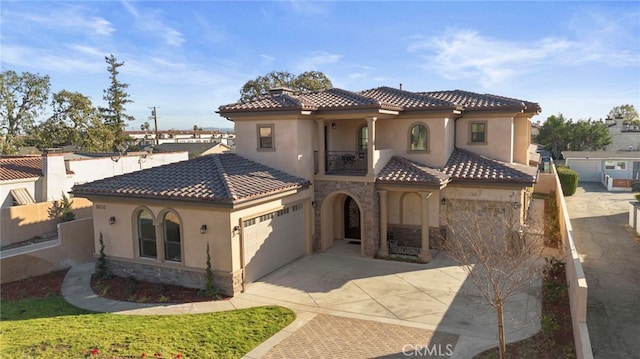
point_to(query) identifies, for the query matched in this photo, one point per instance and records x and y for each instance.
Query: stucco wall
(394, 134)
(499, 137)
(74, 246)
(293, 141)
(20, 223)
(6, 199)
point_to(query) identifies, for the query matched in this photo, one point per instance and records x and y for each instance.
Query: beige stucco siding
(121, 241)
(522, 139)
(394, 134)
(499, 136)
(405, 208)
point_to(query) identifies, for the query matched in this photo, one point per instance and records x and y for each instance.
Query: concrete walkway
(353, 307)
(610, 256)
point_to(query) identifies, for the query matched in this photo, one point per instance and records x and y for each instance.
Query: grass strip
(51, 328)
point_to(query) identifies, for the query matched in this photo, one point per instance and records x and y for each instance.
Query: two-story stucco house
(311, 169)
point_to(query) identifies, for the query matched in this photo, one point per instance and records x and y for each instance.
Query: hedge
(568, 180)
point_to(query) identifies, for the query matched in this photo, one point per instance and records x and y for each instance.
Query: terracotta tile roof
(405, 99)
(404, 171)
(464, 165)
(475, 101)
(14, 168)
(225, 178)
(381, 98)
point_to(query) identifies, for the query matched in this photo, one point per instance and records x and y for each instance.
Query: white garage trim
(272, 240)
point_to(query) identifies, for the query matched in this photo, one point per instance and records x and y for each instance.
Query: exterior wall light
(112, 220)
(236, 229)
(333, 125)
(203, 229)
(443, 201)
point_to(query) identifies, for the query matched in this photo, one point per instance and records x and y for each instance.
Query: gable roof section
(224, 178)
(464, 165)
(16, 168)
(380, 98)
(404, 171)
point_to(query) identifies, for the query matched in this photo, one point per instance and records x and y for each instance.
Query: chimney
(278, 91)
(54, 175)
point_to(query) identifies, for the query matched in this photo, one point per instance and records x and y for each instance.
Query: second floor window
(418, 138)
(478, 132)
(265, 137)
(363, 139)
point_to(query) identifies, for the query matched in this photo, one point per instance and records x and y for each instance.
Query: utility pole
(154, 114)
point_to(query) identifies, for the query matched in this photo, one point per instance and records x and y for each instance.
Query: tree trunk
(502, 347)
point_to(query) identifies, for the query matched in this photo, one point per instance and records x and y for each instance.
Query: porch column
(371, 145)
(384, 219)
(322, 155)
(424, 255)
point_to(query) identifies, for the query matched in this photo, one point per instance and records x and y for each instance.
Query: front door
(351, 219)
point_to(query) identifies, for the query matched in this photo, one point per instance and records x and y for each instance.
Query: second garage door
(273, 240)
(588, 170)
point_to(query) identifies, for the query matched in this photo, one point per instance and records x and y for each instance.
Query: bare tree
(491, 242)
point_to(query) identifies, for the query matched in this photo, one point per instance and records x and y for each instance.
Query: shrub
(210, 289)
(102, 271)
(568, 180)
(637, 196)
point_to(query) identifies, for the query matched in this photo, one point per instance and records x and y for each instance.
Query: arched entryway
(340, 219)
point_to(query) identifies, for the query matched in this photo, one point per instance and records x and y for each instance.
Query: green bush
(568, 180)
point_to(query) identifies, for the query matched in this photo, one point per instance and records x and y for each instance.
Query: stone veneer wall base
(226, 283)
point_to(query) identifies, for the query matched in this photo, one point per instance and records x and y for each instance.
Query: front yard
(49, 327)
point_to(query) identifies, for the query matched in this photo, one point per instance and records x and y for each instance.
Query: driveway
(434, 296)
(610, 256)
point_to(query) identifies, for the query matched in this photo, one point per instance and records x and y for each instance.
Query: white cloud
(130, 8)
(467, 54)
(151, 23)
(316, 60)
(68, 18)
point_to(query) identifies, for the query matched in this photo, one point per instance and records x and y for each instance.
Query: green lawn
(52, 328)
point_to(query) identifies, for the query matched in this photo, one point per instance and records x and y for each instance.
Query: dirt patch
(36, 287)
(131, 290)
(116, 288)
(555, 339)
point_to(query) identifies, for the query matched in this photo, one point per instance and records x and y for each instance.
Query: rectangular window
(265, 137)
(478, 132)
(147, 236)
(615, 165)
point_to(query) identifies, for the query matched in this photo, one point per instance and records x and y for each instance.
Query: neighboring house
(20, 180)
(29, 180)
(624, 136)
(182, 136)
(362, 167)
(615, 169)
(194, 149)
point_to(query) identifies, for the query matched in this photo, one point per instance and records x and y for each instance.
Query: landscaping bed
(555, 339)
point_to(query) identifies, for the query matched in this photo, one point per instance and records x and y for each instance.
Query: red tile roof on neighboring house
(224, 178)
(464, 165)
(381, 98)
(15, 168)
(404, 171)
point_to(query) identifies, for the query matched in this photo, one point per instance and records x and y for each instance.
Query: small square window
(478, 132)
(265, 137)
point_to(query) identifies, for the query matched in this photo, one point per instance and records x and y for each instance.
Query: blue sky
(187, 58)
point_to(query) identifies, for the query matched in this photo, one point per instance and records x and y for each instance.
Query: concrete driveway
(434, 296)
(610, 256)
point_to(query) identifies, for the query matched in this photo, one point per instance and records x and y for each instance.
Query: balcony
(345, 163)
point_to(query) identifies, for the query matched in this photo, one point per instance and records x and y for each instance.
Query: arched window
(171, 228)
(363, 139)
(418, 137)
(146, 235)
